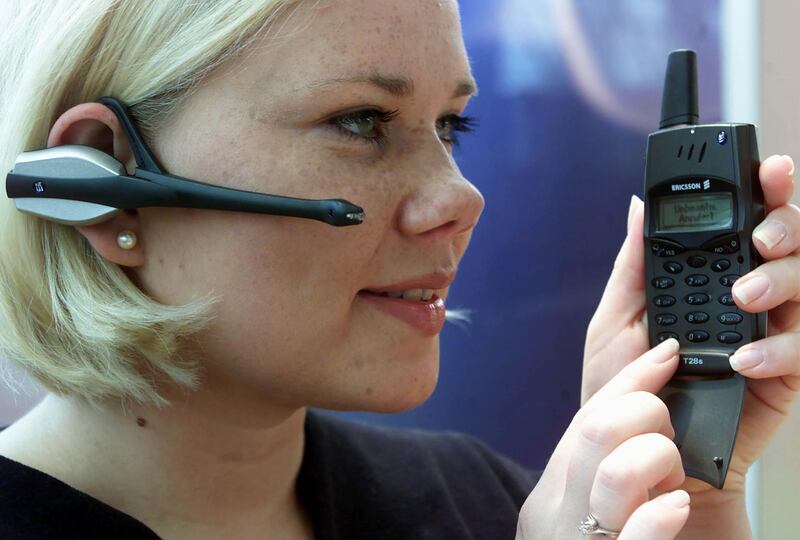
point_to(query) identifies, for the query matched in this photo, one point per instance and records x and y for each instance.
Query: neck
(202, 464)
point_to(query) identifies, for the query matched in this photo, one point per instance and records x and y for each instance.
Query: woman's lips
(428, 316)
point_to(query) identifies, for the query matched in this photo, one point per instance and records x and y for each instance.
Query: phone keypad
(718, 317)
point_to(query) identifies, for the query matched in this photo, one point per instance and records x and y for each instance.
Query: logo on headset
(706, 185)
(38, 186)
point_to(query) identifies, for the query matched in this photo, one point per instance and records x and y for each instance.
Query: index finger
(776, 175)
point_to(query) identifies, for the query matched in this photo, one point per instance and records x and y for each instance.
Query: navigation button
(720, 265)
(696, 261)
(673, 268)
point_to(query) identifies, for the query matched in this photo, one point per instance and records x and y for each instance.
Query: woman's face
(312, 115)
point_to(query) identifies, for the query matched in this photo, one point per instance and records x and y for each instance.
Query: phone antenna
(679, 100)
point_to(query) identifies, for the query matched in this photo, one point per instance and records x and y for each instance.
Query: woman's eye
(367, 125)
(449, 126)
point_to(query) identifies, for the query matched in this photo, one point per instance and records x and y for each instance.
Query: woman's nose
(446, 207)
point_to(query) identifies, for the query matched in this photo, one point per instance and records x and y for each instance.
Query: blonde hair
(70, 318)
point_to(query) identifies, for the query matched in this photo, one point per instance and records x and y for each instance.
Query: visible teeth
(418, 294)
(410, 294)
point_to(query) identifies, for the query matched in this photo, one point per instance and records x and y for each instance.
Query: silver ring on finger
(591, 526)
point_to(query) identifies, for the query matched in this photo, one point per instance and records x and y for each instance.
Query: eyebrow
(396, 85)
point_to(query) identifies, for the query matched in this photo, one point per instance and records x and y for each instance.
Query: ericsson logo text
(687, 187)
(692, 185)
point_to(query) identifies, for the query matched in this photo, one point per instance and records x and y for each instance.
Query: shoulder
(35, 505)
(448, 483)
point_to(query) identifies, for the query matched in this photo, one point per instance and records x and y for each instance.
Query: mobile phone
(702, 200)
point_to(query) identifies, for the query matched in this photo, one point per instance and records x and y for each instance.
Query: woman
(176, 414)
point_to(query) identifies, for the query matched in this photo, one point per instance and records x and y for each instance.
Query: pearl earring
(126, 239)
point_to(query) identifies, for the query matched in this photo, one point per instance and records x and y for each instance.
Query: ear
(95, 125)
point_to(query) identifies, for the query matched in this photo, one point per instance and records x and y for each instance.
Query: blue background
(566, 100)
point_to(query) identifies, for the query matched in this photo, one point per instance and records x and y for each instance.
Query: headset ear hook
(141, 153)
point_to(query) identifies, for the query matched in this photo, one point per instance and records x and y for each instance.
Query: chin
(403, 398)
(393, 387)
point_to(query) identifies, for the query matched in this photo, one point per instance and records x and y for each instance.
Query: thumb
(648, 373)
(623, 299)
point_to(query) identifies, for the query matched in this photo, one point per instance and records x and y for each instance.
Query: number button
(720, 265)
(697, 280)
(696, 299)
(664, 336)
(728, 281)
(697, 317)
(697, 336)
(673, 268)
(696, 261)
(664, 300)
(729, 337)
(663, 282)
(666, 319)
(727, 300)
(730, 318)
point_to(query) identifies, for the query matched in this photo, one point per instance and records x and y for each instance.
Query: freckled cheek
(303, 271)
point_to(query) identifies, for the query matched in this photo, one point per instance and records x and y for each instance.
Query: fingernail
(749, 358)
(678, 499)
(631, 207)
(771, 232)
(672, 347)
(751, 289)
(791, 164)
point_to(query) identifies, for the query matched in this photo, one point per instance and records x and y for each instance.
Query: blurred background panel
(569, 90)
(568, 93)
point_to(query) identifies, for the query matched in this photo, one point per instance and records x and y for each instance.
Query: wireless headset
(81, 185)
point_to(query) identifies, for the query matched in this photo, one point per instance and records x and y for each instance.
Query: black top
(356, 481)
